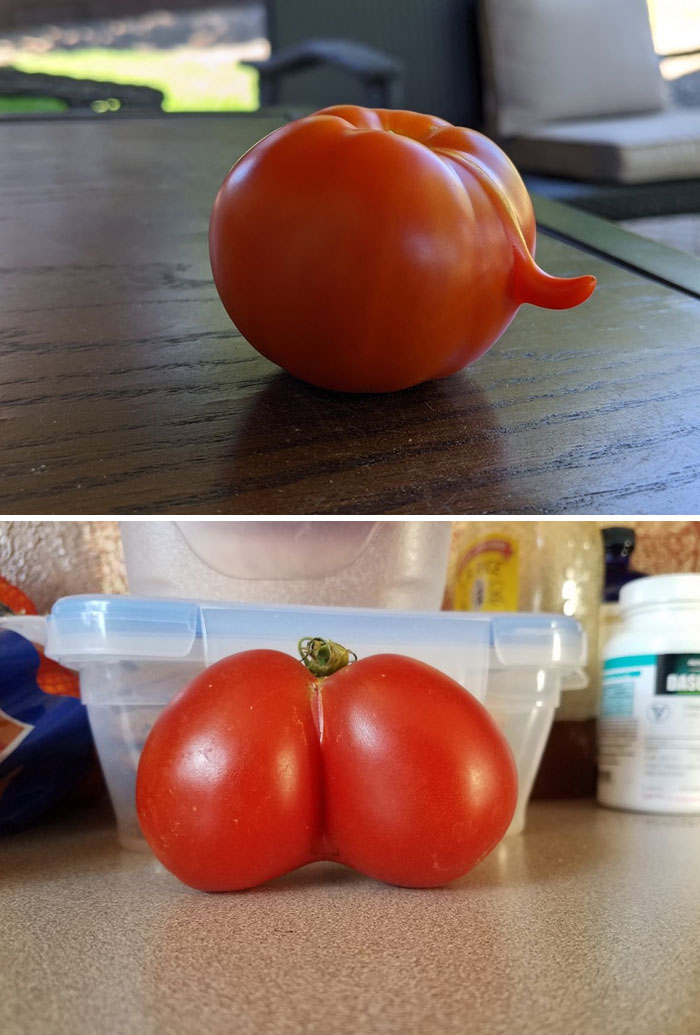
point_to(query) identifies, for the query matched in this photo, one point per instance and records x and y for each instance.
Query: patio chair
(378, 74)
(574, 91)
(429, 48)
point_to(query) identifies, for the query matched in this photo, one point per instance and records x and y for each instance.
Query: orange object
(369, 250)
(51, 677)
(14, 600)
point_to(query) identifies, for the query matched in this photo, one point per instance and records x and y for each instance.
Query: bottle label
(649, 733)
(487, 577)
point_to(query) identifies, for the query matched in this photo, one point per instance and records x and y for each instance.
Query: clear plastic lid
(136, 627)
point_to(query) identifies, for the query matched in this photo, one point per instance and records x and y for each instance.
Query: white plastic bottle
(649, 725)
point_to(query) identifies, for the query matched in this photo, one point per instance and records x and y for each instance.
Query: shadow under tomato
(315, 874)
(300, 449)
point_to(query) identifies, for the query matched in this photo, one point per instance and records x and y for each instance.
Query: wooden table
(126, 389)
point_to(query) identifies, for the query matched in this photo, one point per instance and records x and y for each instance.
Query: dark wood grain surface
(124, 388)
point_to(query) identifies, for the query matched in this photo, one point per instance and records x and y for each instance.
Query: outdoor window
(192, 56)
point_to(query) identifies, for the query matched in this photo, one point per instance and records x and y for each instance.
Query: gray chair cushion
(546, 60)
(634, 149)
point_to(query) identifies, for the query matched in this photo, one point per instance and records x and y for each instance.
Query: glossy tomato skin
(387, 766)
(368, 251)
(420, 783)
(227, 786)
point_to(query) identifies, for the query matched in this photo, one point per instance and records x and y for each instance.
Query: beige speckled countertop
(589, 922)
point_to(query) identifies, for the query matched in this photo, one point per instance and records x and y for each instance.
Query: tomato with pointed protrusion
(369, 250)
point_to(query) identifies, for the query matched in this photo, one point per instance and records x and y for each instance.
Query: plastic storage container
(135, 654)
(401, 565)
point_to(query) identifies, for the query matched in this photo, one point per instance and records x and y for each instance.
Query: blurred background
(598, 105)
(190, 52)
(50, 559)
(193, 52)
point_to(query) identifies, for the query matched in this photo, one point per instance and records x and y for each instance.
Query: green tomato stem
(324, 657)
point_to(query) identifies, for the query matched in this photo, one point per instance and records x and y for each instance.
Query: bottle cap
(620, 538)
(660, 590)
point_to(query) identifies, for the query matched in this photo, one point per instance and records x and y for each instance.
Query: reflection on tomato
(386, 765)
(369, 250)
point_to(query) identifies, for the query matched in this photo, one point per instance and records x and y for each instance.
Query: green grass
(191, 80)
(22, 104)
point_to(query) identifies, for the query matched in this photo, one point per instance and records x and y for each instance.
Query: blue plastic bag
(46, 747)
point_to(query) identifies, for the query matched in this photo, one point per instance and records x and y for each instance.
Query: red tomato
(369, 250)
(388, 766)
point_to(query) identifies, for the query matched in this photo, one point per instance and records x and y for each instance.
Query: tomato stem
(324, 657)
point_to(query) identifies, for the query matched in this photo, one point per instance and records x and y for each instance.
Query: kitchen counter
(586, 923)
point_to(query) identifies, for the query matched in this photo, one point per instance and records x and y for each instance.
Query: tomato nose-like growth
(475, 157)
(369, 250)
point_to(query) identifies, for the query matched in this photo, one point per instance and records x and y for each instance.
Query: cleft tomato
(386, 764)
(369, 250)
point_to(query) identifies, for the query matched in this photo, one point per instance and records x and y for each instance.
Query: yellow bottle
(484, 570)
(540, 566)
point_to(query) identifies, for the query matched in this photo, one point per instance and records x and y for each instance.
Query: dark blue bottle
(619, 545)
